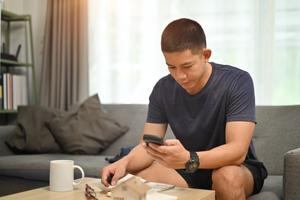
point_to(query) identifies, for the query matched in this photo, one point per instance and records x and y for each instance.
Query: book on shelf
(4, 92)
(1, 90)
(15, 91)
(1, 97)
(20, 93)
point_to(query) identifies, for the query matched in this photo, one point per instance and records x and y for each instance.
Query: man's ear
(206, 54)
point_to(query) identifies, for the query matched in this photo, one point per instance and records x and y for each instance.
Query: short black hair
(183, 34)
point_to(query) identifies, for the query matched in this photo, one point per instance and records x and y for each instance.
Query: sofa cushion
(277, 131)
(36, 166)
(264, 196)
(86, 129)
(291, 177)
(31, 135)
(4, 132)
(274, 184)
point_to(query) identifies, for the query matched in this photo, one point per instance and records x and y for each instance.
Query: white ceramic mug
(62, 175)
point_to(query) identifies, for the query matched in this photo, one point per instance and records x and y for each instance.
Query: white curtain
(261, 37)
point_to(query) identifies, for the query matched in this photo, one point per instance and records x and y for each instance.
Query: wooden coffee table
(79, 193)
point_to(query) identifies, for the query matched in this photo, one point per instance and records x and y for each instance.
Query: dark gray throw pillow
(31, 134)
(86, 129)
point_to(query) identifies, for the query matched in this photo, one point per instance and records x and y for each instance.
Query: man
(211, 111)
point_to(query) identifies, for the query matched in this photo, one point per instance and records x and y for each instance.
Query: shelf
(9, 16)
(8, 111)
(8, 116)
(14, 63)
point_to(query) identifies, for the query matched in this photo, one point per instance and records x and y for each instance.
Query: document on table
(154, 193)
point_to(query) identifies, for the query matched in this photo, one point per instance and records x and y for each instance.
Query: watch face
(192, 165)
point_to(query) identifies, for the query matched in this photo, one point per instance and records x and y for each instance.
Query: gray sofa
(276, 138)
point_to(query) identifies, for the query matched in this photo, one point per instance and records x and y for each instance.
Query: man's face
(188, 68)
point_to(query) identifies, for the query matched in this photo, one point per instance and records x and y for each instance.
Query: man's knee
(145, 173)
(158, 173)
(228, 177)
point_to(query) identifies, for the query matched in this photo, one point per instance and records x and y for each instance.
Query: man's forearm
(227, 154)
(137, 160)
(238, 138)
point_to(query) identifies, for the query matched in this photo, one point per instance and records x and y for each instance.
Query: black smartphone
(149, 138)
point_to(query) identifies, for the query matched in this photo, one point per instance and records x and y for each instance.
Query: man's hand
(114, 172)
(171, 154)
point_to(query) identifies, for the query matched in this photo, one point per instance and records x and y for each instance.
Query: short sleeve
(156, 112)
(241, 99)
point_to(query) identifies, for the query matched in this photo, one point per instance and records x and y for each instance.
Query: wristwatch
(193, 163)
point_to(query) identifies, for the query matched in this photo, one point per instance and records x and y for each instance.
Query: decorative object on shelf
(8, 56)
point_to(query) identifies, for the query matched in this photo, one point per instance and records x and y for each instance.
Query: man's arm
(139, 153)
(136, 160)
(233, 152)
(238, 138)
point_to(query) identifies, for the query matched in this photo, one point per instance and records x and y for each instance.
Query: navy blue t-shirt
(199, 120)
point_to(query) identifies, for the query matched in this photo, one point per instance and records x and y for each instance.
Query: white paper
(125, 178)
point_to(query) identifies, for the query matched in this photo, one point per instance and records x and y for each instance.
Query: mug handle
(82, 174)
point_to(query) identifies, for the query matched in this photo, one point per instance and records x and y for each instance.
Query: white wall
(37, 10)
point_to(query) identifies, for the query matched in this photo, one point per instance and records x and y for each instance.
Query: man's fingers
(155, 150)
(116, 177)
(171, 142)
(104, 179)
(107, 176)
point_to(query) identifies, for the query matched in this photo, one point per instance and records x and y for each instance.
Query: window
(261, 37)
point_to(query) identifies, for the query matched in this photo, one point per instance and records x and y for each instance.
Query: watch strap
(193, 163)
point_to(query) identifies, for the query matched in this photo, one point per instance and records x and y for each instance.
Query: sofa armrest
(291, 176)
(4, 131)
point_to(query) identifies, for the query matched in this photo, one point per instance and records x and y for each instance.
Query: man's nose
(180, 74)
